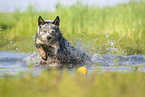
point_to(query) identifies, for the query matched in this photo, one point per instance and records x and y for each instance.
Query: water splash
(111, 58)
(33, 58)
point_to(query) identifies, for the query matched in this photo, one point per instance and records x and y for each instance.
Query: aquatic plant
(65, 84)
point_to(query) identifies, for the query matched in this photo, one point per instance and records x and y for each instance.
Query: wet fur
(54, 48)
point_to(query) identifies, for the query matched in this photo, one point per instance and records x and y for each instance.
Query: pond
(16, 62)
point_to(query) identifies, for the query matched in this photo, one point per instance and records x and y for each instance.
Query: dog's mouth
(49, 40)
(46, 39)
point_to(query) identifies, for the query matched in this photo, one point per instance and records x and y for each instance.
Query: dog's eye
(53, 31)
(45, 31)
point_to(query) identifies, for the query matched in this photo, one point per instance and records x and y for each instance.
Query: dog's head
(48, 31)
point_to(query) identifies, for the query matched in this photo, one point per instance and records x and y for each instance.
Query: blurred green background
(64, 84)
(107, 30)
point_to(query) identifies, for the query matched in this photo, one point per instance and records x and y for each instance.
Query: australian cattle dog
(54, 48)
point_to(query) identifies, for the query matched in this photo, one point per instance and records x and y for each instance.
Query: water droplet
(107, 35)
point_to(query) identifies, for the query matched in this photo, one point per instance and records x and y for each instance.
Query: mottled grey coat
(54, 48)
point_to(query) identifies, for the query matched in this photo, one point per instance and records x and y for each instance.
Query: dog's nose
(48, 37)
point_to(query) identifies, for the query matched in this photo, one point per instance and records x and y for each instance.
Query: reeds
(125, 25)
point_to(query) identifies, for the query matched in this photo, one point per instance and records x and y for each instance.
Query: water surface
(15, 62)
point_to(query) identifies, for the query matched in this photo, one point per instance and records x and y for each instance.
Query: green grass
(56, 84)
(124, 23)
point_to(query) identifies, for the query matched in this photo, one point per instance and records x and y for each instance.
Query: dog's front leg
(40, 48)
(42, 53)
(57, 50)
(57, 54)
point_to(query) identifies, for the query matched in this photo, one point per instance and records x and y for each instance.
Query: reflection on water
(14, 62)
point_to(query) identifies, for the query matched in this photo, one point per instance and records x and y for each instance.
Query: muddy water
(14, 63)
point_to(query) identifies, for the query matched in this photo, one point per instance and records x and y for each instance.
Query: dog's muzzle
(48, 38)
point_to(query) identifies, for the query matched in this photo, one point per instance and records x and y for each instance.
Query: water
(17, 63)
(13, 63)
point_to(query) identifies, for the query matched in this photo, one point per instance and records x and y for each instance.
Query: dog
(54, 48)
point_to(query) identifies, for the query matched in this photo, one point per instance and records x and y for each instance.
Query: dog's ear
(40, 21)
(56, 21)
